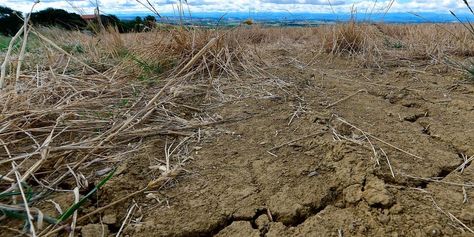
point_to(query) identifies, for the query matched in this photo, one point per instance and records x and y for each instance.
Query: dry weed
(346, 38)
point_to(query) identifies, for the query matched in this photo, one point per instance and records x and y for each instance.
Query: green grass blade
(23, 216)
(28, 192)
(76, 206)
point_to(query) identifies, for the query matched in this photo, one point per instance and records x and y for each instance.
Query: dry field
(340, 130)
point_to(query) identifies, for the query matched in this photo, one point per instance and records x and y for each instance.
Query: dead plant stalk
(6, 61)
(26, 31)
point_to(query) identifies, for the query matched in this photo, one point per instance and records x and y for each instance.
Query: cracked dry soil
(328, 181)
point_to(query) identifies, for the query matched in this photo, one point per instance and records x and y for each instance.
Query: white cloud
(131, 6)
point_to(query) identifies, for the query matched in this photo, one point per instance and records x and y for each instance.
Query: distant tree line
(10, 21)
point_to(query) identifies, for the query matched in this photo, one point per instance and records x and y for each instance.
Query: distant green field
(4, 40)
(32, 44)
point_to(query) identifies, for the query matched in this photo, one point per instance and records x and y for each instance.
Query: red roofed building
(88, 17)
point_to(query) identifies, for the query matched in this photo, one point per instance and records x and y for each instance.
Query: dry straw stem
(376, 45)
(347, 39)
(467, 185)
(44, 151)
(198, 55)
(150, 7)
(388, 162)
(74, 217)
(346, 98)
(7, 57)
(451, 216)
(295, 140)
(465, 163)
(29, 217)
(68, 54)
(26, 31)
(378, 139)
(371, 145)
(18, 232)
(124, 223)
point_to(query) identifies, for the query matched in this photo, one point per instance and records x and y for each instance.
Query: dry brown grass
(374, 44)
(174, 48)
(346, 38)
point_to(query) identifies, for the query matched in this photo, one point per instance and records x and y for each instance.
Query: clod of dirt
(375, 193)
(411, 104)
(384, 219)
(396, 209)
(239, 228)
(94, 230)
(244, 213)
(262, 221)
(277, 229)
(286, 212)
(62, 199)
(353, 194)
(415, 116)
(339, 151)
(110, 219)
(395, 96)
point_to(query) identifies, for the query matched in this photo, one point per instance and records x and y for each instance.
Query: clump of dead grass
(379, 44)
(176, 47)
(347, 38)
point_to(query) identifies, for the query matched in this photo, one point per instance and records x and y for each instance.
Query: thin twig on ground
(451, 216)
(124, 223)
(295, 140)
(345, 98)
(378, 139)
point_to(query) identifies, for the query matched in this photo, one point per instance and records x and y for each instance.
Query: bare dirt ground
(321, 148)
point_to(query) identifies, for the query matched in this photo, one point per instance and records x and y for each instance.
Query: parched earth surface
(327, 148)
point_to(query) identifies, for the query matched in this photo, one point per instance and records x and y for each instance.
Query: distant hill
(308, 18)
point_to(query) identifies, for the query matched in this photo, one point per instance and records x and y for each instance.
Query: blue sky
(295, 6)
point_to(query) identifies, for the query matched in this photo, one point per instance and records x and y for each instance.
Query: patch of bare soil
(326, 149)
